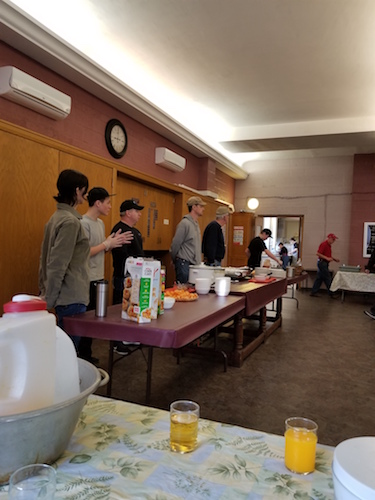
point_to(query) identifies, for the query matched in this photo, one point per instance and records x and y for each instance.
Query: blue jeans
(182, 270)
(70, 310)
(323, 276)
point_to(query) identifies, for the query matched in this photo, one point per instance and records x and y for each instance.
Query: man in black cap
(257, 247)
(130, 213)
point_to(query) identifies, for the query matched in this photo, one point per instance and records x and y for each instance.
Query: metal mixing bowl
(41, 436)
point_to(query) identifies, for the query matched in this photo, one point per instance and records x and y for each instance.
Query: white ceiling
(252, 79)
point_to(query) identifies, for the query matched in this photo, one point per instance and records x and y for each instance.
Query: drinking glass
(301, 436)
(33, 482)
(184, 426)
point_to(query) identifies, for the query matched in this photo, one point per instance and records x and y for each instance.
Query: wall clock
(116, 138)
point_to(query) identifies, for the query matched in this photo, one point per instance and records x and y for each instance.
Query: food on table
(181, 293)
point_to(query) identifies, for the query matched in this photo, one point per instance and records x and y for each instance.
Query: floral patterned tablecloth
(121, 450)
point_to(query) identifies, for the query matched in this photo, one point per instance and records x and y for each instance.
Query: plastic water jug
(38, 361)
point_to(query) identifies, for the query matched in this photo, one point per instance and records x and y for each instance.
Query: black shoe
(369, 313)
(125, 348)
(314, 295)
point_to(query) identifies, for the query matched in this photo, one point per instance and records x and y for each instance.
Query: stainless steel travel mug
(101, 298)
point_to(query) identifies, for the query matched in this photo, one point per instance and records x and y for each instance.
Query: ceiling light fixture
(252, 203)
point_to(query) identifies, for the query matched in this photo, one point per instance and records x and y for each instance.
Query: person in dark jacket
(213, 245)
(130, 213)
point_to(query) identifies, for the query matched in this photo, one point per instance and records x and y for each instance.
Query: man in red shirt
(324, 254)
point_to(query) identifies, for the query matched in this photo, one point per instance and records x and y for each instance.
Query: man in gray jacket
(186, 244)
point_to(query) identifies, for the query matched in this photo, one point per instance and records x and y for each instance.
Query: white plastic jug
(38, 361)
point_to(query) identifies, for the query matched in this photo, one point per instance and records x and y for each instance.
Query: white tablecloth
(355, 282)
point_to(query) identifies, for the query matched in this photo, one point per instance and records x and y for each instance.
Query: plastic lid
(25, 303)
(354, 466)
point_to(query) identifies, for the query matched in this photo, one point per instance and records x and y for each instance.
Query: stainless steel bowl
(41, 436)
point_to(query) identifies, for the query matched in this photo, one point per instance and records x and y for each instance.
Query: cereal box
(137, 295)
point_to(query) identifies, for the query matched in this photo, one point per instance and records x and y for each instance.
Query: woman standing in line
(64, 261)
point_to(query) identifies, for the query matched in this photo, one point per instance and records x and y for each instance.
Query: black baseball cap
(97, 193)
(128, 205)
(268, 232)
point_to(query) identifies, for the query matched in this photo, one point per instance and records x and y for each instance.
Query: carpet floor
(319, 364)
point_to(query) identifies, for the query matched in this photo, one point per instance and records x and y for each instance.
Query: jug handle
(105, 377)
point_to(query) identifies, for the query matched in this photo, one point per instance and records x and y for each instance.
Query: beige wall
(318, 188)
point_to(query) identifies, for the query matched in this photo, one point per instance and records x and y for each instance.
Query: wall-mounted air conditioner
(168, 159)
(26, 90)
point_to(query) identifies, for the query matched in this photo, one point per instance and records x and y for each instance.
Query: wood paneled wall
(29, 167)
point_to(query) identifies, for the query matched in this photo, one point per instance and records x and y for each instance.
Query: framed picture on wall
(368, 238)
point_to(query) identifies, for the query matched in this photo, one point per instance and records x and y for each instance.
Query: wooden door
(158, 217)
(241, 231)
(28, 174)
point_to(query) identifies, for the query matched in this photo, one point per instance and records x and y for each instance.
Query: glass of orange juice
(301, 436)
(184, 426)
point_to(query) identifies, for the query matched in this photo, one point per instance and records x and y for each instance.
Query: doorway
(284, 228)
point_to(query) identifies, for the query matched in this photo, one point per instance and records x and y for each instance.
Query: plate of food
(181, 294)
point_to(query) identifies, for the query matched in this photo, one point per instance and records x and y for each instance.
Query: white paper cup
(222, 286)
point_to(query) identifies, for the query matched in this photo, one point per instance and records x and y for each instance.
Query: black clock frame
(108, 129)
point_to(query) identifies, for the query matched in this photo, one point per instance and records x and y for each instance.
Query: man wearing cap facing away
(257, 247)
(130, 213)
(99, 205)
(324, 254)
(213, 245)
(186, 244)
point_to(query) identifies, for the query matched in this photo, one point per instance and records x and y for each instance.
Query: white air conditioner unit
(26, 90)
(168, 159)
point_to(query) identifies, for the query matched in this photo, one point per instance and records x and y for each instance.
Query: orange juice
(300, 447)
(184, 432)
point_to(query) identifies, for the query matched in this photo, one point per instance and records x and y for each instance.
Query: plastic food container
(353, 469)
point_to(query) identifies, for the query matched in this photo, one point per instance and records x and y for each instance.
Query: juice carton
(137, 295)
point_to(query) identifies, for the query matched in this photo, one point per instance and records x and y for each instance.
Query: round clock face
(116, 138)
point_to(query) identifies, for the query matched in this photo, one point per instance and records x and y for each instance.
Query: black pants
(85, 343)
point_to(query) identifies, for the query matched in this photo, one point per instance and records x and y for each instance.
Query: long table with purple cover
(176, 328)
(257, 296)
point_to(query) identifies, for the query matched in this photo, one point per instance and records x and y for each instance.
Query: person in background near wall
(186, 244)
(370, 268)
(283, 252)
(324, 254)
(257, 247)
(64, 261)
(213, 245)
(99, 205)
(293, 251)
(130, 213)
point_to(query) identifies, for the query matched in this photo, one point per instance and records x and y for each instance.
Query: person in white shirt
(99, 205)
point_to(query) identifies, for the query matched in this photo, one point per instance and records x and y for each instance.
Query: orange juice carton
(137, 295)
